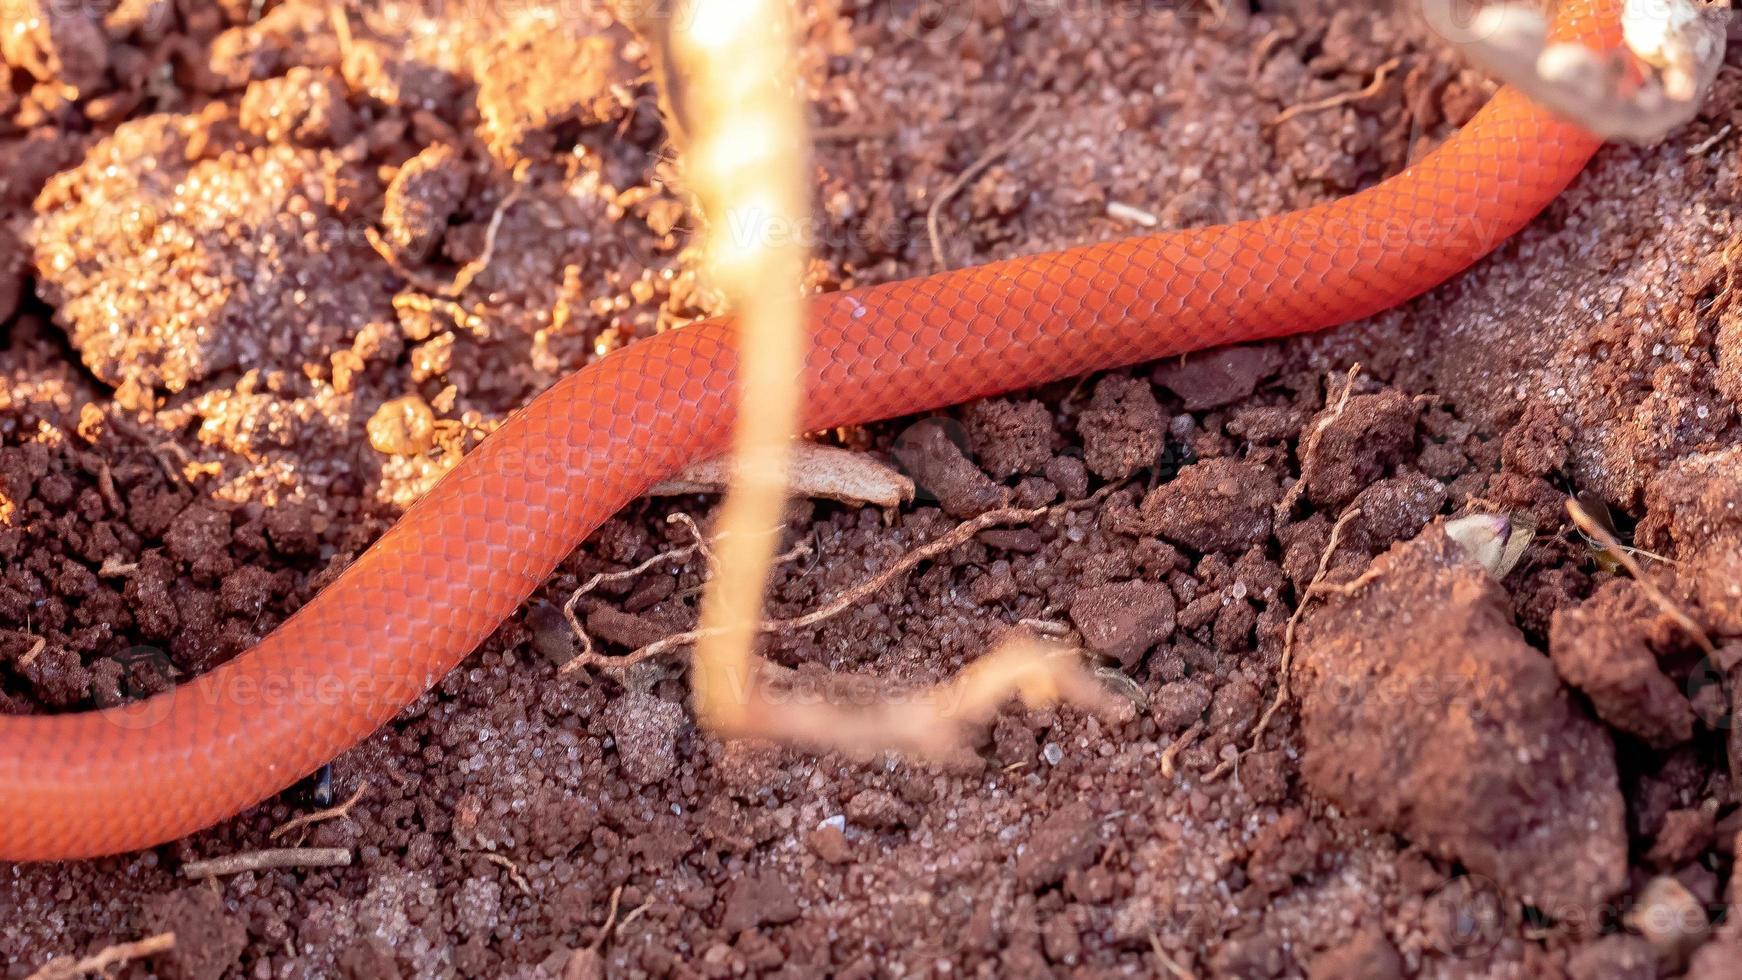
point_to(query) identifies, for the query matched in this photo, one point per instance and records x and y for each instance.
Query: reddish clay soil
(248, 318)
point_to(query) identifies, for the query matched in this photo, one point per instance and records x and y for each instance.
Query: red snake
(475, 547)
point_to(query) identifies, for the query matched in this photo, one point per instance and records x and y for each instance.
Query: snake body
(469, 553)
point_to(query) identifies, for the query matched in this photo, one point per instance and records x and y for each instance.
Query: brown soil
(228, 237)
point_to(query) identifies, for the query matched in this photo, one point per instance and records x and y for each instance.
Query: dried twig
(961, 180)
(331, 813)
(104, 959)
(698, 545)
(1131, 214)
(283, 857)
(1705, 145)
(1597, 531)
(1344, 98)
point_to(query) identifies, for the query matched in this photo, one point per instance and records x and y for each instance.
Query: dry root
(746, 157)
(102, 961)
(1680, 41)
(934, 722)
(1373, 88)
(320, 816)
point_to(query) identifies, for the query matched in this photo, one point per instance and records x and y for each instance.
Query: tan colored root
(471, 270)
(106, 959)
(933, 722)
(1380, 75)
(747, 160)
(1310, 444)
(1314, 588)
(1590, 528)
(320, 816)
(934, 214)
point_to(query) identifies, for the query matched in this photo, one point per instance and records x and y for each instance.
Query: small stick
(318, 816)
(1594, 530)
(1379, 76)
(1700, 148)
(101, 961)
(106, 486)
(283, 857)
(974, 170)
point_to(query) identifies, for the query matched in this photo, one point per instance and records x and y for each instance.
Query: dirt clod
(938, 466)
(1356, 445)
(403, 427)
(1211, 379)
(1609, 648)
(1215, 505)
(1368, 955)
(1123, 429)
(646, 729)
(56, 42)
(209, 941)
(1065, 841)
(1422, 676)
(1124, 621)
(421, 198)
(305, 106)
